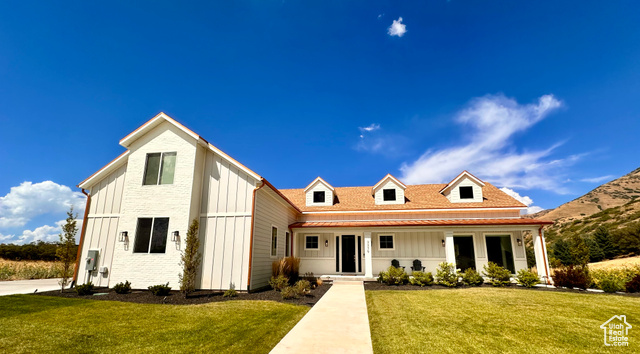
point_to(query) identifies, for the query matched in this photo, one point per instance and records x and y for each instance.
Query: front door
(465, 257)
(348, 254)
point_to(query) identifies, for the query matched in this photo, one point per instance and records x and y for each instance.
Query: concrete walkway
(12, 287)
(338, 323)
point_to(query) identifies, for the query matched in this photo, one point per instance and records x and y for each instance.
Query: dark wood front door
(348, 254)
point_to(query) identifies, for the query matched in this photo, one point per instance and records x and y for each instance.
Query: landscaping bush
(122, 288)
(527, 278)
(231, 292)
(393, 276)
(633, 285)
(302, 287)
(160, 290)
(472, 278)
(278, 283)
(611, 284)
(421, 278)
(572, 277)
(84, 289)
(614, 279)
(287, 266)
(498, 276)
(289, 293)
(447, 275)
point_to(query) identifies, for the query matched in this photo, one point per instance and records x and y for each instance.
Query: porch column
(449, 248)
(368, 265)
(540, 251)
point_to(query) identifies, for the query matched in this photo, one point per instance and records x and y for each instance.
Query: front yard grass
(496, 320)
(55, 325)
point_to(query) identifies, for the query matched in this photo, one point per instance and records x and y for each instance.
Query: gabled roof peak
(387, 177)
(464, 173)
(321, 181)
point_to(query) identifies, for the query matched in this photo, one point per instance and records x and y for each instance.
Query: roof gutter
(544, 255)
(253, 216)
(82, 233)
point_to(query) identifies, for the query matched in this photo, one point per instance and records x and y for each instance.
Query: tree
(66, 251)
(579, 251)
(595, 252)
(603, 239)
(561, 252)
(627, 240)
(190, 260)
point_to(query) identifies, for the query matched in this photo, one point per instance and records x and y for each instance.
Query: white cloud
(598, 179)
(490, 153)
(370, 128)
(29, 200)
(397, 28)
(45, 233)
(531, 209)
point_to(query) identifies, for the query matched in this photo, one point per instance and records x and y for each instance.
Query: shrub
(611, 284)
(278, 283)
(393, 276)
(122, 288)
(302, 287)
(498, 276)
(421, 278)
(190, 259)
(572, 277)
(447, 275)
(287, 266)
(527, 278)
(84, 289)
(612, 280)
(231, 292)
(472, 278)
(160, 290)
(633, 285)
(289, 292)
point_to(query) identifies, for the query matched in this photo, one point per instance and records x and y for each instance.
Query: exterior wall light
(175, 236)
(124, 236)
(444, 244)
(519, 241)
(326, 243)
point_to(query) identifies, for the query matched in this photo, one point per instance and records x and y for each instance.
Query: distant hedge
(35, 251)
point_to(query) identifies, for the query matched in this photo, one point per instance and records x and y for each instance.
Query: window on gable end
(466, 192)
(318, 196)
(389, 195)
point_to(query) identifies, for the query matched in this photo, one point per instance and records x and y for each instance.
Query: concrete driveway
(28, 286)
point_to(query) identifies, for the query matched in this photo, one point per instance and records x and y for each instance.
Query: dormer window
(389, 195)
(318, 196)
(466, 192)
(319, 193)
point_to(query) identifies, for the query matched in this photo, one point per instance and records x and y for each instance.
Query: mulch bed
(198, 297)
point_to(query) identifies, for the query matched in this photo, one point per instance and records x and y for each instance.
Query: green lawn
(56, 325)
(496, 321)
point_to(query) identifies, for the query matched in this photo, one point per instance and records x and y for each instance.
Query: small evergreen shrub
(527, 278)
(498, 276)
(84, 289)
(611, 284)
(572, 277)
(472, 278)
(231, 292)
(122, 288)
(160, 290)
(633, 285)
(278, 283)
(447, 275)
(613, 278)
(421, 278)
(302, 287)
(289, 292)
(393, 276)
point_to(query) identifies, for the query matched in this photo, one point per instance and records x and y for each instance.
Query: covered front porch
(365, 251)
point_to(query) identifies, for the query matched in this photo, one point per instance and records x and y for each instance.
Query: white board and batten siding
(271, 210)
(102, 225)
(454, 192)
(225, 224)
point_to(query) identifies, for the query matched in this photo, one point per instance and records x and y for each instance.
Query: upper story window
(318, 196)
(466, 192)
(389, 194)
(160, 168)
(151, 235)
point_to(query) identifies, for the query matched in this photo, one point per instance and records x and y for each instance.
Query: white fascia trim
(234, 162)
(126, 141)
(400, 184)
(213, 215)
(388, 211)
(86, 184)
(321, 181)
(421, 219)
(468, 175)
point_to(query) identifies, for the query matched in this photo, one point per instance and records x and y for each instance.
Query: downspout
(544, 255)
(253, 216)
(82, 233)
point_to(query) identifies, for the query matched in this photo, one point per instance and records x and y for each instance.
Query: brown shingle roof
(393, 223)
(420, 196)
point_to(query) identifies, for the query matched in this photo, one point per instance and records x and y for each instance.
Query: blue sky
(539, 97)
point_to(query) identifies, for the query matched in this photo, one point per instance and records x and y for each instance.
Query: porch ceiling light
(444, 243)
(326, 243)
(175, 236)
(519, 241)
(124, 236)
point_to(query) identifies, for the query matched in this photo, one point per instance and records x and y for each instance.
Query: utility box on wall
(92, 260)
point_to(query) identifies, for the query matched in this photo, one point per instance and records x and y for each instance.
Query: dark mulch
(198, 297)
(372, 285)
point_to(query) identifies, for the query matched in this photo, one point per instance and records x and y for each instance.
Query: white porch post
(449, 248)
(368, 265)
(540, 251)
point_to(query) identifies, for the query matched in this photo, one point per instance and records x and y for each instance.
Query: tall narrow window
(318, 196)
(287, 245)
(160, 168)
(466, 192)
(389, 195)
(274, 241)
(151, 235)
